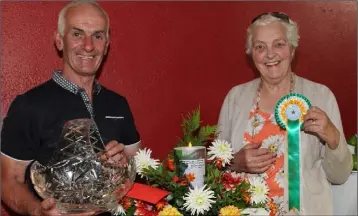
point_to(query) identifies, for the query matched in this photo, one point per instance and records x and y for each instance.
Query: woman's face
(271, 52)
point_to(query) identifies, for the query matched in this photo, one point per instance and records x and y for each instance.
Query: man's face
(85, 42)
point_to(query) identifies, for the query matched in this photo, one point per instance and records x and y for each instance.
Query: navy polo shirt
(33, 125)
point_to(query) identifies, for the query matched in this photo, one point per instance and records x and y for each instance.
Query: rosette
(291, 107)
(289, 113)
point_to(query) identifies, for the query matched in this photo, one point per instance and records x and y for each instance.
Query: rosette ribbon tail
(293, 149)
(289, 113)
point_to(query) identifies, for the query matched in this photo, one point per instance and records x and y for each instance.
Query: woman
(247, 120)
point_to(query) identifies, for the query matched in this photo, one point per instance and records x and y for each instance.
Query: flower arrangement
(352, 144)
(224, 192)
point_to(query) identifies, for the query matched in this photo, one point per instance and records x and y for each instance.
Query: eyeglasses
(282, 16)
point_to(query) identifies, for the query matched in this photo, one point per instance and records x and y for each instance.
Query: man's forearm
(18, 197)
(131, 150)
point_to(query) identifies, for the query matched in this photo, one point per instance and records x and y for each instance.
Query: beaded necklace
(257, 122)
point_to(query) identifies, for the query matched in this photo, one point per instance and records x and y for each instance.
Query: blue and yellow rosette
(289, 113)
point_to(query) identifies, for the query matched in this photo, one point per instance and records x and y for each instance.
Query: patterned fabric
(272, 137)
(75, 89)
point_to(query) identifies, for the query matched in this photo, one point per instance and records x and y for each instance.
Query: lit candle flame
(189, 145)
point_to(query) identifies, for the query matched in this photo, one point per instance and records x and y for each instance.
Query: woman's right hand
(253, 159)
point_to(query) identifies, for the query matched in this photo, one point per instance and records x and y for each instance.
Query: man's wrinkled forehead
(86, 15)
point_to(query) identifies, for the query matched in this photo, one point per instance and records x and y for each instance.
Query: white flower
(221, 149)
(275, 144)
(258, 190)
(255, 125)
(262, 175)
(280, 178)
(143, 160)
(119, 210)
(255, 211)
(199, 200)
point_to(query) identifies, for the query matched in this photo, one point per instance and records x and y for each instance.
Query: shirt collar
(70, 86)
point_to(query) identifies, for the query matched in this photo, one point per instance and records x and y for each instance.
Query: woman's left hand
(317, 122)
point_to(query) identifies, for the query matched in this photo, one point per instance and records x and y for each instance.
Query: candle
(191, 160)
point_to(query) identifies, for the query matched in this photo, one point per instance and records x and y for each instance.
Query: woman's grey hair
(291, 30)
(62, 15)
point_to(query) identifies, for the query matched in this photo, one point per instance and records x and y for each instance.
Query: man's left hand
(316, 121)
(114, 152)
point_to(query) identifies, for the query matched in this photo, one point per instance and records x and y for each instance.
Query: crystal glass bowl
(77, 177)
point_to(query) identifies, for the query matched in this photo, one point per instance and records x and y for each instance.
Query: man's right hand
(48, 208)
(253, 159)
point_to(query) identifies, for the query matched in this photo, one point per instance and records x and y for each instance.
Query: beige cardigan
(319, 164)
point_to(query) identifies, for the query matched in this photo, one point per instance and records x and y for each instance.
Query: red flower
(126, 203)
(160, 205)
(219, 163)
(144, 209)
(175, 179)
(190, 177)
(171, 164)
(230, 181)
(246, 197)
(183, 183)
(273, 208)
(145, 212)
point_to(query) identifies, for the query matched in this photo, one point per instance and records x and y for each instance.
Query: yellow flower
(229, 211)
(169, 211)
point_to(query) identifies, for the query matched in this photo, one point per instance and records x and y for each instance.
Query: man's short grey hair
(291, 30)
(62, 15)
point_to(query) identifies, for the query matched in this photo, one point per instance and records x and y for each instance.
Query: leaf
(131, 210)
(190, 127)
(206, 131)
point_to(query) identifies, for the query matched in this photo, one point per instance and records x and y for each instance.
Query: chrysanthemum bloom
(143, 160)
(229, 211)
(169, 211)
(221, 149)
(258, 190)
(199, 200)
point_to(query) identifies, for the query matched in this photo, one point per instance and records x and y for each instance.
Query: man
(35, 119)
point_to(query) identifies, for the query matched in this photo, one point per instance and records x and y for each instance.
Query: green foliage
(193, 131)
(352, 141)
(131, 210)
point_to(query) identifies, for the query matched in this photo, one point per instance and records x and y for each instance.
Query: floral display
(352, 144)
(223, 193)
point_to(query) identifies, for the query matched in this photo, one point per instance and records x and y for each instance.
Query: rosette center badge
(291, 107)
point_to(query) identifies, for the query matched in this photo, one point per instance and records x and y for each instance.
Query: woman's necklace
(256, 121)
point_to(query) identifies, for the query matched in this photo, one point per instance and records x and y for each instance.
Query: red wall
(169, 57)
